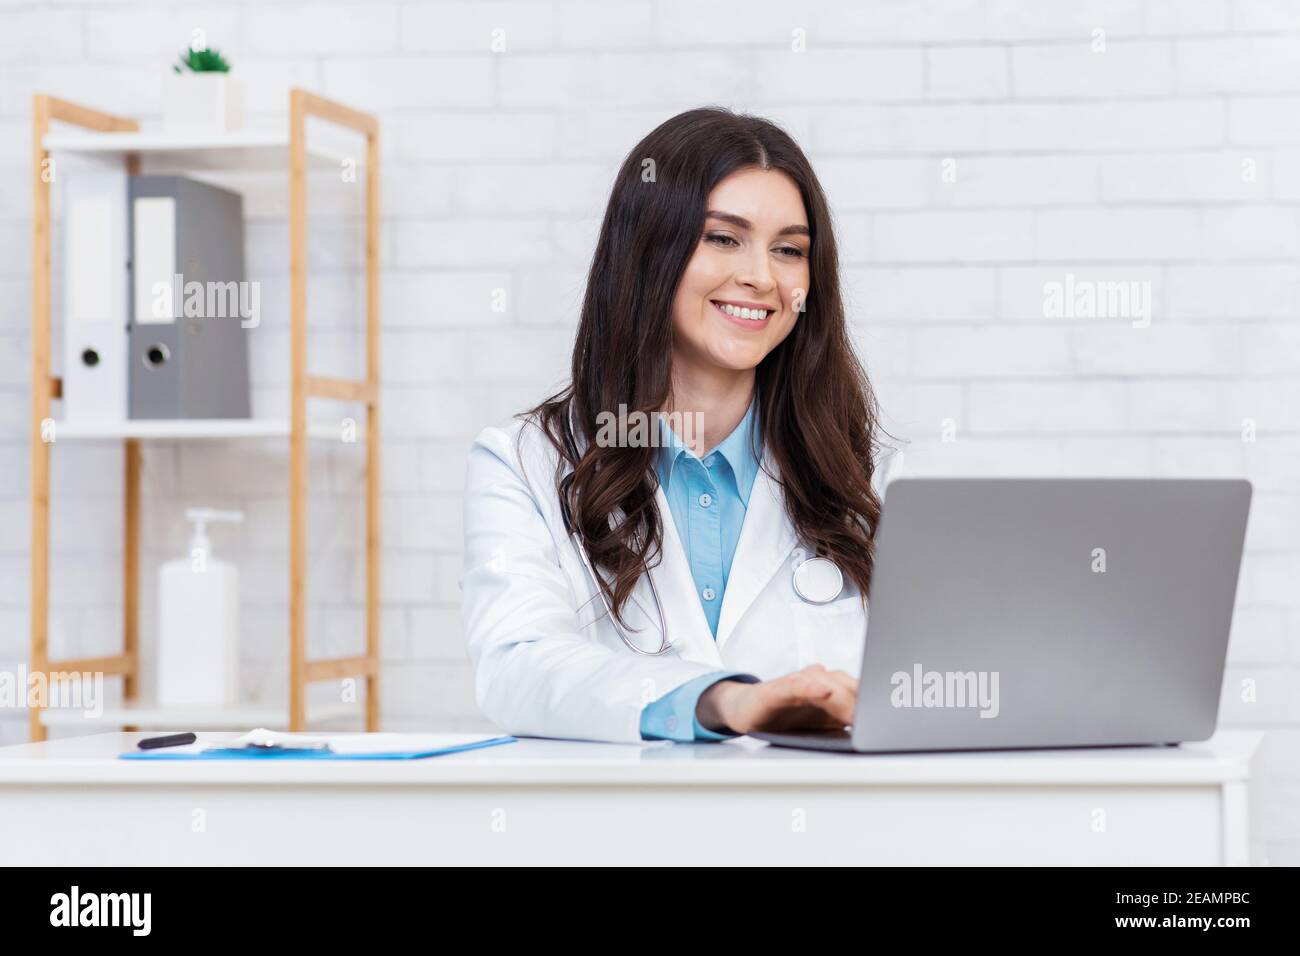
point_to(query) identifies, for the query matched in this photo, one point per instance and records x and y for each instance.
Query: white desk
(541, 801)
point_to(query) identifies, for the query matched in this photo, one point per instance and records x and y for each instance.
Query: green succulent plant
(202, 61)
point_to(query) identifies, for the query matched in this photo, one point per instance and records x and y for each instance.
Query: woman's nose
(755, 272)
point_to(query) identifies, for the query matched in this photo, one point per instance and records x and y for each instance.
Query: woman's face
(744, 287)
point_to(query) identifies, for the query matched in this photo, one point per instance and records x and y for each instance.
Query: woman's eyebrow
(742, 223)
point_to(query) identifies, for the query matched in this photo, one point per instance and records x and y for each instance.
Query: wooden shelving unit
(92, 132)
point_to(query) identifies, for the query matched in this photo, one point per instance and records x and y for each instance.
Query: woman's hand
(811, 699)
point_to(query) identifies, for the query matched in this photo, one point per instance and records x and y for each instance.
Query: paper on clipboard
(276, 745)
(377, 743)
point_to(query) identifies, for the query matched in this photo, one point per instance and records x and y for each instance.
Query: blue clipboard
(300, 753)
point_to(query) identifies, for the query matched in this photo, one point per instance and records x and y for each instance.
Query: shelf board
(239, 149)
(194, 428)
(237, 717)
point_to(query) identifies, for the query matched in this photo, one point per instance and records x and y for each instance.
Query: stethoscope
(816, 579)
(665, 645)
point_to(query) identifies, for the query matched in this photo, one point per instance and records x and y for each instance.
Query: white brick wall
(1113, 166)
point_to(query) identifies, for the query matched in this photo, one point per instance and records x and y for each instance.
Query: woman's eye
(790, 252)
(720, 239)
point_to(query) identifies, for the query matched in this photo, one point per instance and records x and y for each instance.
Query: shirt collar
(741, 450)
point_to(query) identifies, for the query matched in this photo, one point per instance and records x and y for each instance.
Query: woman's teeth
(754, 315)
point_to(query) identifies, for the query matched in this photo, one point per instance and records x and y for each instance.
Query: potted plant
(201, 95)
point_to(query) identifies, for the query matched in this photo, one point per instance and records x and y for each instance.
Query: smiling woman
(621, 590)
(751, 268)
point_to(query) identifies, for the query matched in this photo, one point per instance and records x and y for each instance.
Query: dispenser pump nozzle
(200, 542)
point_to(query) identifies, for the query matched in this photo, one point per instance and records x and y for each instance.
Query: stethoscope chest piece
(818, 580)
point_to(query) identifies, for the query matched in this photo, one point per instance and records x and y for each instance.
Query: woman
(631, 582)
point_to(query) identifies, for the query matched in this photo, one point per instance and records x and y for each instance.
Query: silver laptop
(1010, 613)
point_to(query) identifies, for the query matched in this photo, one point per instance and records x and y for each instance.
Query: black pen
(174, 740)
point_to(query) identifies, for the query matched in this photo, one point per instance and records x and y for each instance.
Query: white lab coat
(547, 660)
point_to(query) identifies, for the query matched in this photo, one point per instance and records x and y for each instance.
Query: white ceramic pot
(202, 101)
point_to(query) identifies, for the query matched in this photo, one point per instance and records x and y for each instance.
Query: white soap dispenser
(198, 621)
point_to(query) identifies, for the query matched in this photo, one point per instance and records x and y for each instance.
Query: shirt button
(709, 594)
(671, 722)
(709, 460)
(706, 499)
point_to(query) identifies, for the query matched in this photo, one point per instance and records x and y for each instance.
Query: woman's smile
(747, 315)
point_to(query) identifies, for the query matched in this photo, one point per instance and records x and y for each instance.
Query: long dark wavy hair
(817, 413)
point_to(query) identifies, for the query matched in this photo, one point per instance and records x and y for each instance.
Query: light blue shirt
(708, 499)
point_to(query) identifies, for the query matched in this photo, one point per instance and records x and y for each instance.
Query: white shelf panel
(174, 428)
(238, 717)
(240, 149)
(195, 428)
